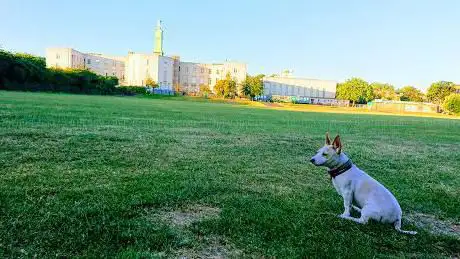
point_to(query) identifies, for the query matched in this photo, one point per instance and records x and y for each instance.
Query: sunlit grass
(81, 175)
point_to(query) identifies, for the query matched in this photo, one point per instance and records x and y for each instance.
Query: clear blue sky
(405, 42)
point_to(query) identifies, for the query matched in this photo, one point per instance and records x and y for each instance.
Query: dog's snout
(312, 160)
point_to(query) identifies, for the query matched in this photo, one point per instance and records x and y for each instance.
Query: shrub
(25, 72)
(452, 103)
(204, 90)
(131, 90)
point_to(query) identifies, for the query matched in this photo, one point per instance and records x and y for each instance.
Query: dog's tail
(397, 225)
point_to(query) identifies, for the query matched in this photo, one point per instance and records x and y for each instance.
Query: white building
(98, 63)
(135, 68)
(191, 75)
(140, 67)
(237, 71)
(299, 87)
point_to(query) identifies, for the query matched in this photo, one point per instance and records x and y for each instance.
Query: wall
(192, 75)
(165, 72)
(105, 65)
(97, 63)
(401, 106)
(302, 87)
(63, 57)
(139, 67)
(238, 72)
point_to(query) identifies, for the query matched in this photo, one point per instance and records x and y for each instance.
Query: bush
(25, 72)
(452, 104)
(131, 90)
(204, 90)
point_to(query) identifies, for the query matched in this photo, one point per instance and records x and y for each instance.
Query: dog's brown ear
(337, 144)
(328, 140)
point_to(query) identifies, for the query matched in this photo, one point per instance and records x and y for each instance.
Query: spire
(158, 49)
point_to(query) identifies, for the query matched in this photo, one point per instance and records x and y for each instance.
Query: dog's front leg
(347, 199)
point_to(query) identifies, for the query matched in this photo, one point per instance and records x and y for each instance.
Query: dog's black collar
(341, 169)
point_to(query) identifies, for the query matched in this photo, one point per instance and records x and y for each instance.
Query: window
(209, 71)
(89, 61)
(209, 80)
(186, 70)
(217, 71)
(202, 70)
(235, 70)
(58, 56)
(179, 68)
(147, 62)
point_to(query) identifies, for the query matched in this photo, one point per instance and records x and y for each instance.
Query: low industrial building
(304, 90)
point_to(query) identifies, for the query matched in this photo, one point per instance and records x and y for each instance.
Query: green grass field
(98, 176)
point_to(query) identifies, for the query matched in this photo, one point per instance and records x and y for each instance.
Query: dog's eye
(325, 154)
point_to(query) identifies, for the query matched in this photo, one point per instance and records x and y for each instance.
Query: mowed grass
(86, 175)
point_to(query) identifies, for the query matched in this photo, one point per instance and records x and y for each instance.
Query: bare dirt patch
(213, 246)
(184, 217)
(434, 225)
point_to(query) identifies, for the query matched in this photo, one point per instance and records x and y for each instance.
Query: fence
(401, 106)
(301, 100)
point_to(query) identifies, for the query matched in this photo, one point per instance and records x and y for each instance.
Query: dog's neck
(337, 162)
(339, 166)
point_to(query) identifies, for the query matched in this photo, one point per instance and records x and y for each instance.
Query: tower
(158, 48)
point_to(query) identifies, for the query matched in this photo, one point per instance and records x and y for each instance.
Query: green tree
(252, 86)
(149, 82)
(452, 103)
(356, 90)
(226, 88)
(177, 88)
(204, 90)
(410, 93)
(438, 91)
(383, 91)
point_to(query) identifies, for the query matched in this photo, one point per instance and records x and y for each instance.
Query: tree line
(359, 91)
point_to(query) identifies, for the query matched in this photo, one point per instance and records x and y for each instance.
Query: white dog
(373, 200)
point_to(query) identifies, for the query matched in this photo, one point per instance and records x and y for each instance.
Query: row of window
(296, 90)
(88, 61)
(217, 71)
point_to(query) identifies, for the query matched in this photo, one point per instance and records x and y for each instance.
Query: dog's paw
(344, 215)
